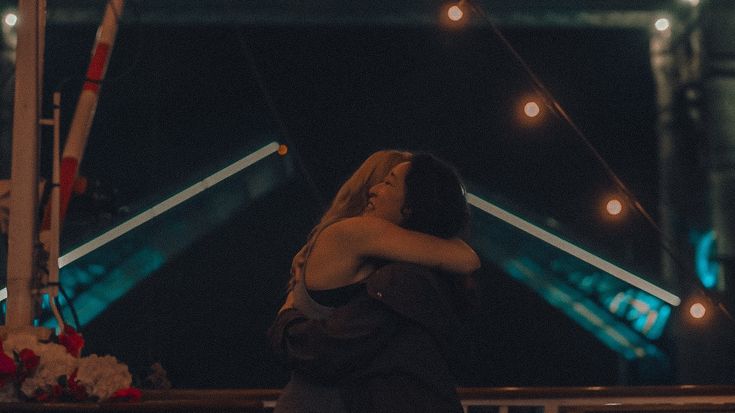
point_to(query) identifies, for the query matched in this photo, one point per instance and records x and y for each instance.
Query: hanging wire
(281, 124)
(71, 308)
(555, 107)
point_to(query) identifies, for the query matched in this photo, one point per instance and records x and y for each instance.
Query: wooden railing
(669, 399)
(655, 399)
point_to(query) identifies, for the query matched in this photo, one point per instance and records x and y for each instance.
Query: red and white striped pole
(87, 105)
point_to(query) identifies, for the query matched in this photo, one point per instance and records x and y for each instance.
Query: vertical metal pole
(24, 172)
(7, 72)
(719, 97)
(51, 237)
(663, 65)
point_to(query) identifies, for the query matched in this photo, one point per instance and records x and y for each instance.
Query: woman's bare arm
(379, 238)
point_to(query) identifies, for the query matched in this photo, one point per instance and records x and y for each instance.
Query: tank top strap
(302, 300)
(310, 246)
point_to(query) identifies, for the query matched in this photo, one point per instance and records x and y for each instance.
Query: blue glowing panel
(623, 310)
(707, 268)
(583, 310)
(100, 270)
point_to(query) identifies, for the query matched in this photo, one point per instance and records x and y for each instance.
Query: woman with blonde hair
(351, 198)
(412, 214)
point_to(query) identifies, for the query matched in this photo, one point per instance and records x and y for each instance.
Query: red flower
(72, 340)
(29, 359)
(75, 390)
(26, 362)
(131, 394)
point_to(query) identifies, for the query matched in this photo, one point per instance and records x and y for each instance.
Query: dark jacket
(392, 348)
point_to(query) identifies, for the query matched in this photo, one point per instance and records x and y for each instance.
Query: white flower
(55, 362)
(100, 376)
(103, 376)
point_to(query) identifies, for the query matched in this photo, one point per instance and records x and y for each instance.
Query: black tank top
(335, 297)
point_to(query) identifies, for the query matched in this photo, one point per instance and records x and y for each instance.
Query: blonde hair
(351, 197)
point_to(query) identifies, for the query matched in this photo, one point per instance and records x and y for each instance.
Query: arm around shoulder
(336, 347)
(379, 238)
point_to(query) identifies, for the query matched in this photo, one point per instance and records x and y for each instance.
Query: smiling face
(387, 197)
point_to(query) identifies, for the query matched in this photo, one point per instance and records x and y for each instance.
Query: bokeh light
(697, 310)
(455, 13)
(614, 206)
(10, 19)
(528, 111)
(662, 24)
(531, 109)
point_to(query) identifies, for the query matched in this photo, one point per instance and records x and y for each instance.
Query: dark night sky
(186, 98)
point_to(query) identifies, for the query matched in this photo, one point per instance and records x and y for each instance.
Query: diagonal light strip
(167, 204)
(164, 206)
(574, 250)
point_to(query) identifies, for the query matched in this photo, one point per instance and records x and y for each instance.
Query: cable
(278, 118)
(71, 308)
(55, 310)
(555, 107)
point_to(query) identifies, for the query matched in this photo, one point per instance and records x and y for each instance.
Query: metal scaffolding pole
(664, 67)
(22, 230)
(719, 95)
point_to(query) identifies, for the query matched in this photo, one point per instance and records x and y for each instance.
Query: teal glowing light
(621, 309)
(110, 286)
(707, 268)
(645, 313)
(605, 326)
(169, 203)
(97, 271)
(573, 250)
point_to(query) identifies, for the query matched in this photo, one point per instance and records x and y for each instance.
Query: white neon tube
(574, 250)
(167, 204)
(164, 206)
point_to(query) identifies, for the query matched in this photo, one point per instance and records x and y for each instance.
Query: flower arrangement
(55, 371)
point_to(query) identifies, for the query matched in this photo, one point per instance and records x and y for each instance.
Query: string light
(455, 13)
(614, 207)
(697, 310)
(531, 109)
(10, 19)
(528, 111)
(573, 250)
(662, 24)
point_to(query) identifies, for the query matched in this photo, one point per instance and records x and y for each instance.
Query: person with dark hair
(387, 339)
(434, 198)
